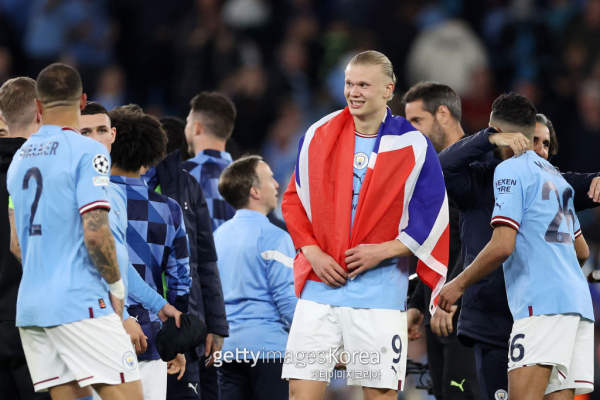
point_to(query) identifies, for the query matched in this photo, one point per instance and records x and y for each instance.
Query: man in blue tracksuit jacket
(255, 262)
(485, 320)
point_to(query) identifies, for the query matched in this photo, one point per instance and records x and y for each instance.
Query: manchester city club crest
(501, 394)
(130, 360)
(361, 160)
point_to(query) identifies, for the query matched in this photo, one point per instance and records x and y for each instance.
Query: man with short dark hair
(552, 339)
(435, 110)
(156, 236)
(74, 338)
(258, 283)
(15, 379)
(209, 126)
(485, 320)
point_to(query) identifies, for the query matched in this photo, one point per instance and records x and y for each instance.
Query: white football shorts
(90, 351)
(563, 341)
(371, 342)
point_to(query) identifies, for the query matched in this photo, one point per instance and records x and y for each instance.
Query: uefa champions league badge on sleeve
(101, 164)
(360, 160)
(501, 394)
(129, 360)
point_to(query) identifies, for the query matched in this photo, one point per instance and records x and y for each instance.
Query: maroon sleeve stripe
(93, 206)
(578, 233)
(505, 221)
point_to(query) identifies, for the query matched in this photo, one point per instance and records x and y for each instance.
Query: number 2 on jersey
(552, 233)
(34, 172)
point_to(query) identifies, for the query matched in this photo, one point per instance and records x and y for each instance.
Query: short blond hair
(372, 57)
(17, 101)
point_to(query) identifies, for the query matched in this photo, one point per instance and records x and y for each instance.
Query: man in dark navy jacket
(485, 320)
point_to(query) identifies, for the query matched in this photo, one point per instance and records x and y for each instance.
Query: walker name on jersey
(38, 149)
(505, 185)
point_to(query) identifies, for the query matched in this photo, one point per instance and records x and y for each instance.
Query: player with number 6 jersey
(537, 239)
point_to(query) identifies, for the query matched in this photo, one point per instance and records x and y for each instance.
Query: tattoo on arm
(100, 244)
(15, 247)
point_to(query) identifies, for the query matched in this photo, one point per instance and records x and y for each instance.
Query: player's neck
(453, 134)
(369, 124)
(116, 171)
(255, 206)
(23, 132)
(62, 116)
(205, 142)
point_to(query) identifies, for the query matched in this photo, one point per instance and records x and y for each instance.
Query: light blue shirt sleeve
(142, 293)
(278, 253)
(509, 191)
(92, 178)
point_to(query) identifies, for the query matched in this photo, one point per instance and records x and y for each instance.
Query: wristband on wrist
(117, 289)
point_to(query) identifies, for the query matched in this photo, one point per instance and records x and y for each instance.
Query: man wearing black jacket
(16, 95)
(435, 110)
(485, 320)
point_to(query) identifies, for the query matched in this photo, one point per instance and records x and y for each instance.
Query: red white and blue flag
(403, 197)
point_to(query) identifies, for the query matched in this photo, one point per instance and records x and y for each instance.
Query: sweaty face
(98, 127)
(367, 90)
(267, 185)
(541, 140)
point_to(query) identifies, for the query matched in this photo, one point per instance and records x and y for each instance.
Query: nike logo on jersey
(193, 387)
(460, 386)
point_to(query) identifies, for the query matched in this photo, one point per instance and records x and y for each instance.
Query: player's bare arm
(364, 257)
(15, 247)
(325, 266)
(100, 243)
(581, 249)
(491, 257)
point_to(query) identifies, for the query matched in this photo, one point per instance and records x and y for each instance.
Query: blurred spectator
(448, 53)
(281, 146)
(580, 141)
(111, 87)
(50, 25)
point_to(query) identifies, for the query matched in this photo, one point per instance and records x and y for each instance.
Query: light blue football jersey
(54, 178)
(363, 148)
(542, 275)
(384, 286)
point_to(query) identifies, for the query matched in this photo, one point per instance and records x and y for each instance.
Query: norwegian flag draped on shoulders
(403, 197)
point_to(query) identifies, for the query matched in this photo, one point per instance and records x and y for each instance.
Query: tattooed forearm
(100, 244)
(15, 247)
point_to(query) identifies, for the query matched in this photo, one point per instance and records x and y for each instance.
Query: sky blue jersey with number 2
(56, 177)
(542, 275)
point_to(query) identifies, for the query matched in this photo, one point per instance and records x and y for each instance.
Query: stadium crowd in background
(278, 66)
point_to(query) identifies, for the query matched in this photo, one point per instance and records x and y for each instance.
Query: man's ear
(38, 106)
(443, 115)
(82, 101)
(254, 193)
(198, 128)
